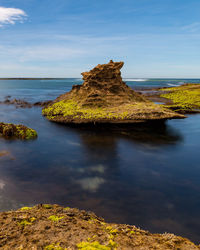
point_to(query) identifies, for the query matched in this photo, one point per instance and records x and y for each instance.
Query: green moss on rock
(26, 222)
(55, 218)
(22, 132)
(26, 208)
(92, 246)
(71, 108)
(47, 206)
(185, 98)
(70, 111)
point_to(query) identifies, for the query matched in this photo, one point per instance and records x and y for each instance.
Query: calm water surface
(149, 177)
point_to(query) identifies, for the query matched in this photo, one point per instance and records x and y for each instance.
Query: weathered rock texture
(48, 227)
(105, 98)
(103, 86)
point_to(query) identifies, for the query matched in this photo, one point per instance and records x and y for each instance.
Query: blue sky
(62, 38)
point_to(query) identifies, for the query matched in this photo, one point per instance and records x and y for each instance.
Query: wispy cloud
(40, 53)
(11, 15)
(86, 39)
(193, 27)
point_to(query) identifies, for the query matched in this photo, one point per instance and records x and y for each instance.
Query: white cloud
(11, 15)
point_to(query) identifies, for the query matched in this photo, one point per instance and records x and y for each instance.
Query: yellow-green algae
(67, 208)
(84, 245)
(111, 230)
(185, 97)
(25, 208)
(47, 206)
(19, 131)
(27, 222)
(71, 109)
(55, 218)
(26, 134)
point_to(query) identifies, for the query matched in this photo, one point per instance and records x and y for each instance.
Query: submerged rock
(24, 104)
(53, 227)
(17, 103)
(4, 153)
(105, 98)
(22, 132)
(7, 154)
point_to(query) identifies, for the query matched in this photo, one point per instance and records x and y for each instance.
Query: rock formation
(105, 98)
(103, 86)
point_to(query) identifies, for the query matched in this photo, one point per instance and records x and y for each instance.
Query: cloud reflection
(2, 184)
(91, 183)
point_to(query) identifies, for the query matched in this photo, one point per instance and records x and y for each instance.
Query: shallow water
(148, 176)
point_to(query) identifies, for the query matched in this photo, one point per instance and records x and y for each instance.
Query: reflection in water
(91, 183)
(140, 175)
(101, 149)
(157, 132)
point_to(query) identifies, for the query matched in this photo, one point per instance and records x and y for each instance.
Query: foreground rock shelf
(9, 130)
(105, 98)
(51, 227)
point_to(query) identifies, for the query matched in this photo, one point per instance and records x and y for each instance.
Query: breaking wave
(136, 80)
(174, 85)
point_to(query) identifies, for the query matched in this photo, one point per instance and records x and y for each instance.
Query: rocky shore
(105, 98)
(184, 99)
(49, 227)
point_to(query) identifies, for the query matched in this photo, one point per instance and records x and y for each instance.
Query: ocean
(38, 90)
(146, 176)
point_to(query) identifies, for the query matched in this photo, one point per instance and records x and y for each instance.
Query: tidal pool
(146, 176)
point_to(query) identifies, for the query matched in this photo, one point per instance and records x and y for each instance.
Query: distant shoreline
(63, 78)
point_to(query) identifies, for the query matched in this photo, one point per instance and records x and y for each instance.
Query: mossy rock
(9, 130)
(105, 98)
(71, 112)
(185, 98)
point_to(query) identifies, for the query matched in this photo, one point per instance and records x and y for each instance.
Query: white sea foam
(173, 85)
(136, 80)
(77, 79)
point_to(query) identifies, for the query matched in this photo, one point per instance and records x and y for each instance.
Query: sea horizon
(125, 78)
